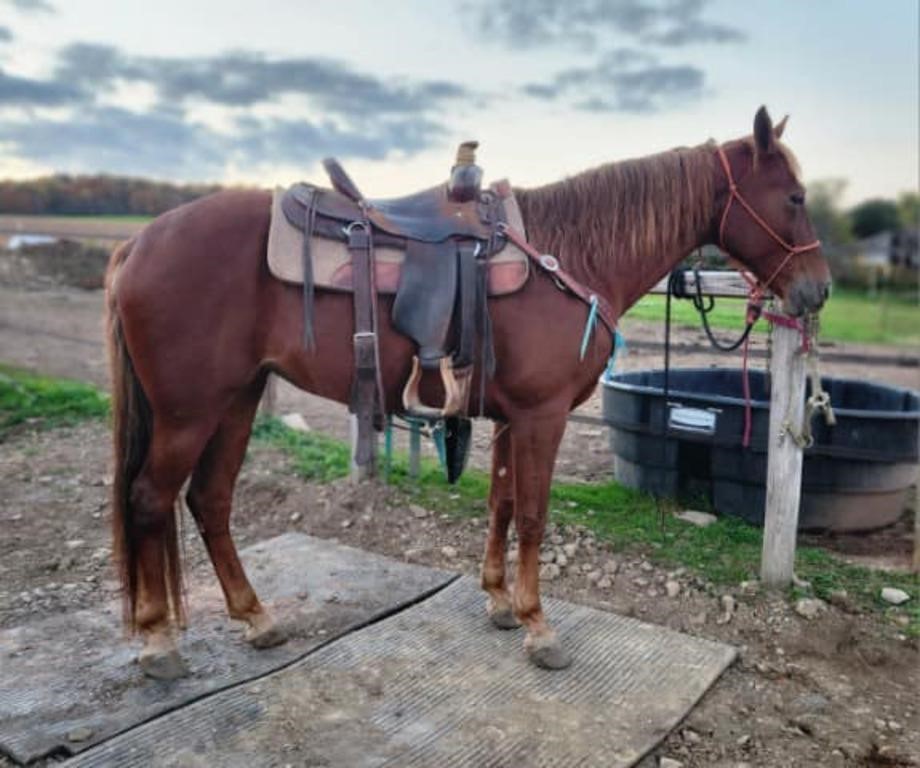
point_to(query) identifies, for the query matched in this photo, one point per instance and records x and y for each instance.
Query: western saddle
(448, 234)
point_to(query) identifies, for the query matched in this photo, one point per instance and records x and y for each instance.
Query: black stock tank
(855, 476)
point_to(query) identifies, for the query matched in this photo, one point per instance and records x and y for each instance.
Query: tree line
(99, 195)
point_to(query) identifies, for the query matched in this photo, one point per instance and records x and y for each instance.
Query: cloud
(31, 6)
(624, 80)
(585, 24)
(243, 79)
(24, 91)
(350, 113)
(6, 34)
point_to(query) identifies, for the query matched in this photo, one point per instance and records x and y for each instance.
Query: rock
(347, 523)
(701, 519)
(587, 567)
(669, 762)
(611, 566)
(594, 577)
(699, 619)
(809, 607)
(809, 704)
(295, 421)
(449, 551)
(892, 595)
(750, 587)
(672, 588)
(296, 517)
(728, 609)
(561, 560)
(418, 512)
(840, 598)
(549, 572)
(513, 555)
(570, 549)
(604, 583)
(641, 582)
(80, 733)
(646, 566)
(691, 736)
(556, 539)
(547, 556)
(74, 543)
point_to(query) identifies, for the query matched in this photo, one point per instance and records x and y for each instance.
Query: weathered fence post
(367, 438)
(784, 462)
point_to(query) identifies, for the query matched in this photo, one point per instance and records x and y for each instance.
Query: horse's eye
(797, 198)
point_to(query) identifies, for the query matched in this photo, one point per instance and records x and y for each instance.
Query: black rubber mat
(435, 685)
(70, 681)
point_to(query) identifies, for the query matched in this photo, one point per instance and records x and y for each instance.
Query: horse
(195, 324)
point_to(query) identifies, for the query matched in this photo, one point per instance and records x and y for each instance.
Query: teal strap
(589, 327)
(618, 343)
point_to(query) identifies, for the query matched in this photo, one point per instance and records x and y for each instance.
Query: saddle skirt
(508, 267)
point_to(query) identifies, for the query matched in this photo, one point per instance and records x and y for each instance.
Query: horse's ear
(780, 127)
(764, 140)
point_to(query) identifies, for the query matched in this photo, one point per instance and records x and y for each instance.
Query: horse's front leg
(535, 439)
(501, 510)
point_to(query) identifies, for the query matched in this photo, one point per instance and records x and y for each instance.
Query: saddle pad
(508, 269)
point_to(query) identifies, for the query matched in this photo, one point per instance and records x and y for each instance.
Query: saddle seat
(438, 250)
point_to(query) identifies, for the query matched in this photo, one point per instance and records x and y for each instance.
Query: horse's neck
(622, 278)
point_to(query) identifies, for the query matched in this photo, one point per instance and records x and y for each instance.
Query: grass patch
(726, 552)
(848, 316)
(41, 402)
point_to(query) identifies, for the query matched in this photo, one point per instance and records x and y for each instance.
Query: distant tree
(874, 216)
(909, 210)
(830, 222)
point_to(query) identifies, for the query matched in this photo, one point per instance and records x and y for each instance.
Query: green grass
(848, 316)
(41, 402)
(726, 552)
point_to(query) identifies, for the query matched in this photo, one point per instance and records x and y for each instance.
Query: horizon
(233, 98)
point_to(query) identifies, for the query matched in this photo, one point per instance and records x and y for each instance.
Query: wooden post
(365, 440)
(784, 461)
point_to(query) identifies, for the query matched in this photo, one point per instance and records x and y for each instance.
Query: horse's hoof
(547, 653)
(503, 617)
(162, 665)
(263, 632)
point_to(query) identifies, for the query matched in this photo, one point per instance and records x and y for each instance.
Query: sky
(259, 93)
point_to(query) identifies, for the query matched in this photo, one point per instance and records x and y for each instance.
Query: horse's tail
(132, 429)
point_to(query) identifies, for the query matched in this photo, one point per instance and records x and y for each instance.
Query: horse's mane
(621, 213)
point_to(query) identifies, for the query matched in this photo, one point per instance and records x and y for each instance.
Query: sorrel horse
(196, 323)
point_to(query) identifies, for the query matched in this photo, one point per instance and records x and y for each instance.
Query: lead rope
(818, 401)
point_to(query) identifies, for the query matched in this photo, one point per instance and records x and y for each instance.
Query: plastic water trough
(855, 476)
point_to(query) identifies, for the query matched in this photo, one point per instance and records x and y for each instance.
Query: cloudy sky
(242, 91)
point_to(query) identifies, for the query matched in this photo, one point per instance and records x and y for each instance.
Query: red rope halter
(757, 290)
(791, 250)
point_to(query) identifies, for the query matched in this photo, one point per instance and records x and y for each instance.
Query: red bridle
(791, 250)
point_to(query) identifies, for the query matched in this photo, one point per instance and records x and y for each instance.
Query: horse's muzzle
(806, 296)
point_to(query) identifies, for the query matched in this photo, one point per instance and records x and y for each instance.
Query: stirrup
(455, 393)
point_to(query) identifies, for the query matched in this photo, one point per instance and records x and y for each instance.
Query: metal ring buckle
(349, 227)
(549, 262)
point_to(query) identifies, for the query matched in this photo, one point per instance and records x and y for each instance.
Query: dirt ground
(837, 690)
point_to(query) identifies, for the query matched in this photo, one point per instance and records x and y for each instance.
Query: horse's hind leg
(501, 511)
(172, 453)
(210, 497)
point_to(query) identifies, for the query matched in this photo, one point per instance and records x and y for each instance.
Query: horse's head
(763, 221)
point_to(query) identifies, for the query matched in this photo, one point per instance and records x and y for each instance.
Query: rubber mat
(70, 681)
(435, 685)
